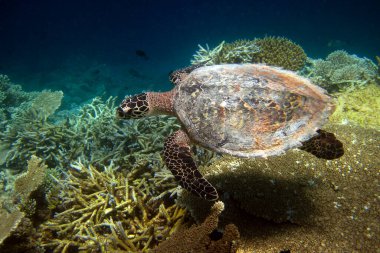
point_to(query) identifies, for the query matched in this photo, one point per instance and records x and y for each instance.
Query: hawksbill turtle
(246, 110)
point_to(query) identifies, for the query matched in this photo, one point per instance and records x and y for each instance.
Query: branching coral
(280, 52)
(207, 55)
(108, 210)
(11, 96)
(240, 51)
(275, 51)
(341, 71)
(203, 238)
(93, 134)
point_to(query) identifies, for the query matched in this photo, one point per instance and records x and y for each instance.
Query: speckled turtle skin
(247, 110)
(250, 110)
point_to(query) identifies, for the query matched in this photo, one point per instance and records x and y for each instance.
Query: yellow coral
(106, 211)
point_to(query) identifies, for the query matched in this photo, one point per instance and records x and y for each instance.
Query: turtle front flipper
(178, 159)
(324, 145)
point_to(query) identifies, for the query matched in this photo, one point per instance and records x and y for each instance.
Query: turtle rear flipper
(178, 159)
(324, 145)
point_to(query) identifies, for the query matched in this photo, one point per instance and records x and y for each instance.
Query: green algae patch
(360, 107)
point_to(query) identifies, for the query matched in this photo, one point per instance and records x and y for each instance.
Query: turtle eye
(133, 107)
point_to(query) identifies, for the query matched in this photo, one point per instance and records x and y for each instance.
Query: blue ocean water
(88, 47)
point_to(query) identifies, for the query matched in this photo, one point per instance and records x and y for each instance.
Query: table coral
(109, 210)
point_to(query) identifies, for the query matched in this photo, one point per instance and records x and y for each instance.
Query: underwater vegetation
(360, 107)
(274, 51)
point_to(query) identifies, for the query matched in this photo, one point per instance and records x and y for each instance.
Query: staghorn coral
(280, 52)
(240, 51)
(341, 71)
(204, 237)
(11, 96)
(360, 107)
(108, 211)
(207, 55)
(327, 205)
(275, 51)
(92, 133)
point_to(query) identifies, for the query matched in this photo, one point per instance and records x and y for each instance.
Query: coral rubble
(328, 205)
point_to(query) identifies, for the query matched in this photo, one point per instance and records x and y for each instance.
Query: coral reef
(281, 201)
(29, 182)
(29, 133)
(240, 51)
(275, 51)
(280, 52)
(207, 55)
(341, 71)
(11, 96)
(92, 133)
(111, 210)
(203, 238)
(16, 231)
(360, 107)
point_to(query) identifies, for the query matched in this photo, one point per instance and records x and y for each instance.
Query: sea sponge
(280, 52)
(341, 71)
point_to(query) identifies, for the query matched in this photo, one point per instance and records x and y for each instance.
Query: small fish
(142, 54)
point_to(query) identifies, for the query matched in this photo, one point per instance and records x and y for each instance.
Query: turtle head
(133, 107)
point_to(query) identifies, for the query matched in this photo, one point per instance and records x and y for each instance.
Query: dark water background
(87, 47)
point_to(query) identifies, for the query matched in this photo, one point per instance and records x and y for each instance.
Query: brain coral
(281, 52)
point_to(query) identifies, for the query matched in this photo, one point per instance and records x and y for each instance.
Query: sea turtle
(246, 110)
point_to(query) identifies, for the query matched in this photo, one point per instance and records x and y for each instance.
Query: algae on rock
(361, 107)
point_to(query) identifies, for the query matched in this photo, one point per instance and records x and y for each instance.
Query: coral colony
(82, 181)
